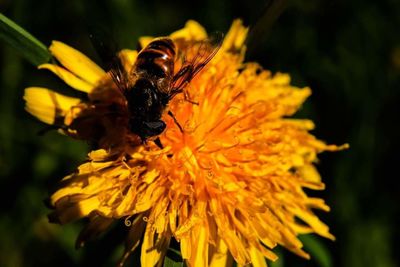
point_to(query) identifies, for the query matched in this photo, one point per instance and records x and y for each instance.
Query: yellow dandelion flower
(230, 185)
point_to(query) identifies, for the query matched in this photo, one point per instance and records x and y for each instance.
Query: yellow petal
(72, 211)
(76, 62)
(192, 31)
(68, 77)
(258, 253)
(236, 36)
(257, 258)
(310, 173)
(220, 257)
(200, 244)
(88, 205)
(186, 247)
(128, 58)
(149, 255)
(145, 40)
(313, 221)
(47, 105)
(98, 155)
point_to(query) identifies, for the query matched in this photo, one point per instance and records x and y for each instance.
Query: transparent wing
(193, 56)
(107, 50)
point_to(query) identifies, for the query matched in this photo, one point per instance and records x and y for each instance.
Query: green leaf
(31, 48)
(173, 259)
(319, 252)
(168, 262)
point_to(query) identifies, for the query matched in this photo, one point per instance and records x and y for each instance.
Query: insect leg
(175, 120)
(157, 141)
(188, 98)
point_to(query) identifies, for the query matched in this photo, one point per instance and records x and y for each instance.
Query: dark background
(348, 52)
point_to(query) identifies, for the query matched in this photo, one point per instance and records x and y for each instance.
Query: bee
(153, 82)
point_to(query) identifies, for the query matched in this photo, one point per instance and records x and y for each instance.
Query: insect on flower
(162, 70)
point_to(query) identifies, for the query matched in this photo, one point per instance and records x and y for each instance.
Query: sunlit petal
(76, 62)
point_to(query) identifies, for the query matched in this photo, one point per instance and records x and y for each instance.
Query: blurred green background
(348, 52)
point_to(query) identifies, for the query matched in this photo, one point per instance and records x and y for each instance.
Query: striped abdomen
(157, 58)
